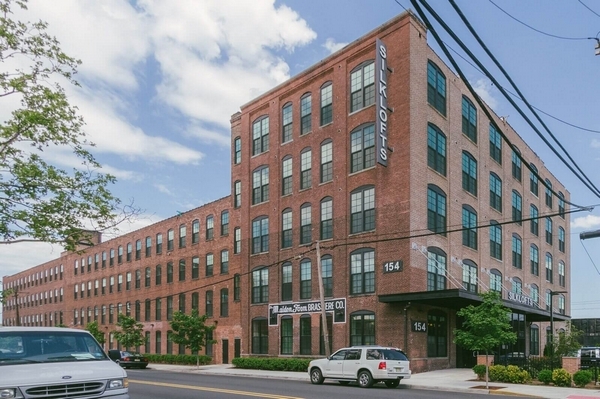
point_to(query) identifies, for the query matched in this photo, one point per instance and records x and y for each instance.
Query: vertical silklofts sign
(381, 86)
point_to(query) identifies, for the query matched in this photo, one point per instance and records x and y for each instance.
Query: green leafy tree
(130, 333)
(94, 329)
(485, 327)
(5, 295)
(564, 343)
(40, 201)
(191, 331)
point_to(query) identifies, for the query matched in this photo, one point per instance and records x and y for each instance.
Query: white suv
(365, 364)
(52, 362)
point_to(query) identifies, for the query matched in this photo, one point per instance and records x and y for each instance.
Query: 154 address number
(392, 266)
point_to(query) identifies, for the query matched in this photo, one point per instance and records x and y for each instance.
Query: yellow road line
(219, 390)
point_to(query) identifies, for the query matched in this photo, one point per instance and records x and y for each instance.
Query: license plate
(136, 360)
(398, 369)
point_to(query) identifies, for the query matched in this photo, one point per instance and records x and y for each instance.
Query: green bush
(497, 372)
(537, 364)
(561, 378)
(480, 371)
(515, 375)
(582, 377)
(177, 359)
(271, 363)
(545, 376)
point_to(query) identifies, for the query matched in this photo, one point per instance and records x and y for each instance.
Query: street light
(552, 294)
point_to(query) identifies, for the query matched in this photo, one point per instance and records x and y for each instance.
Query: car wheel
(344, 382)
(392, 383)
(316, 377)
(365, 380)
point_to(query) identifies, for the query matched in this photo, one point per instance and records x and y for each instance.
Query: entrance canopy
(457, 299)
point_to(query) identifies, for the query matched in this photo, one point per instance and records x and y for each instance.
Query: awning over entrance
(457, 299)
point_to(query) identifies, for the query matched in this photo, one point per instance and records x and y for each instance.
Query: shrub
(497, 373)
(515, 375)
(177, 359)
(582, 377)
(271, 363)
(480, 371)
(561, 378)
(535, 364)
(545, 376)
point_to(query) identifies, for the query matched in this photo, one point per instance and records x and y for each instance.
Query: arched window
(306, 114)
(326, 103)
(286, 330)
(496, 281)
(286, 281)
(326, 225)
(436, 209)
(286, 175)
(436, 88)
(362, 209)
(362, 271)
(534, 340)
(436, 149)
(260, 336)
(517, 251)
(470, 275)
(362, 148)
(260, 185)
(436, 269)
(260, 135)
(362, 86)
(469, 224)
(533, 180)
(469, 119)
(287, 123)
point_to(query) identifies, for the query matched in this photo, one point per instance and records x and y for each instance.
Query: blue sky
(160, 80)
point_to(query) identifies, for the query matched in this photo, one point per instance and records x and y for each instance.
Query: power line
(592, 260)
(592, 11)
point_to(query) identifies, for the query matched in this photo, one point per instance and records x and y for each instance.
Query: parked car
(53, 362)
(366, 365)
(128, 359)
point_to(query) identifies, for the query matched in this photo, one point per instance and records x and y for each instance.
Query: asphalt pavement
(456, 380)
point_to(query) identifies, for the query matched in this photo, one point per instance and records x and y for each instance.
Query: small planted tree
(130, 334)
(485, 327)
(95, 331)
(191, 331)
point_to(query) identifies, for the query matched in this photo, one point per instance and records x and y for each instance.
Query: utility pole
(589, 234)
(322, 296)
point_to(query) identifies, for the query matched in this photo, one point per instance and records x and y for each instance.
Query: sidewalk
(456, 380)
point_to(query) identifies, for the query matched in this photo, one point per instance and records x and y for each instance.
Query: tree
(131, 332)
(192, 331)
(565, 343)
(5, 295)
(38, 200)
(485, 327)
(95, 331)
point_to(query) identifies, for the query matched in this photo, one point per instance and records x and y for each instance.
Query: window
(469, 119)
(436, 149)
(119, 284)
(182, 270)
(210, 227)
(561, 205)
(260, 235)
(237, 148)
(549, 231)
(224, 261)
(495, 192)
(326, 161)
(182, 303)
(496, 281)
(517, 285)
(561, 305)
(286, 172)
(170, 239)
(120, 254)
(209, 264)
(469, 224)
(517, 251)
(260, 285)
(469, 173)
(326, 228)
(549, 276)
(148, 247)
(170, 307)
(305, 335)
(147, 277)
(236, 287)
(436, 88)
(260, 185)
(326, 103)
(362, 271)
(287, 335)
(195, 267)
(548, 195)
(147, 310)
(237, 197)
(286, 229)
(260, 135)
(517, 208)
(362, 211)
(534, 258)
(260, 336)
(470, 276)
(129, 251)
(534, 223)
(436, 269)
(305, 279)
(362, 148)
(437, 334)
(287, 122)
(305, 114)
(195, 231)
(362, 328)
(436, 209)
(138, 279)
(517, 171)
(286, 281)
(534, 340)
(362, 86)
(561, 273)
(548, 302)
(158, 275)
(306, 224)
(495, 240)
(495, 144)
(159, 243)
(158, 309)
(169, 272)
(224, 302)
(237, 240)
(111, 261)
(103, 263)
(182, 234)
(305, 169)
(208, 298)
(533, 180)
(561, 239)
(535, 294)
(327, 275)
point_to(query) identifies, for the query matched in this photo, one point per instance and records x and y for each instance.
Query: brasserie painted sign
(337, 306)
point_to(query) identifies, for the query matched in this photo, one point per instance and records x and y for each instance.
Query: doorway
(225, 351)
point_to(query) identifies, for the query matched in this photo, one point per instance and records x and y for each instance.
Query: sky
(161, 79)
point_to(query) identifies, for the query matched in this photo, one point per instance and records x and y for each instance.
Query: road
(154, 384)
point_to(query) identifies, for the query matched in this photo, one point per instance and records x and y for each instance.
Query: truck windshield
(48, 347)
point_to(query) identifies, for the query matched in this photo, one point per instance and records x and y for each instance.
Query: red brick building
(378, 167)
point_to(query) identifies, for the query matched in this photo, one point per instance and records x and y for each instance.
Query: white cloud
(163, 189)
(586, 222)
(595, 143)
(331, 45)
(484, 89)
(24, 255)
